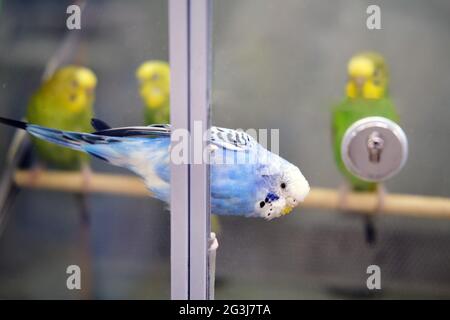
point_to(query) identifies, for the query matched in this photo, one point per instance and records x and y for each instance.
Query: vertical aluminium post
(199, 170)
(190, 197)
(179, 173)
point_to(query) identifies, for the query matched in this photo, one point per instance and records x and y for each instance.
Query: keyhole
(375, 144)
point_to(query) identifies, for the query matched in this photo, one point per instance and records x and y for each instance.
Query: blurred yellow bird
(154, 88)
(368, 76)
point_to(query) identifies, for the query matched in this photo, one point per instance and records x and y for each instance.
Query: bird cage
(336, 111)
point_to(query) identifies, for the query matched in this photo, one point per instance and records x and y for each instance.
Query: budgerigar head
(74, 86)
(285, 189)
(154, 83)
(367, 76)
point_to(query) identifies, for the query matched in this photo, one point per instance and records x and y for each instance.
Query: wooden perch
(73, 182)
(398, 204)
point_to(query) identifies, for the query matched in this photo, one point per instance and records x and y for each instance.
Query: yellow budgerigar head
(367, 76)
(154, 83)
(75, 87)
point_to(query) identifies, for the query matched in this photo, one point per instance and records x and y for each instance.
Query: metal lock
(374, 148)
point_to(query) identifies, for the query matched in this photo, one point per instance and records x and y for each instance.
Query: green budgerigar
(64, 101)
(366, 95)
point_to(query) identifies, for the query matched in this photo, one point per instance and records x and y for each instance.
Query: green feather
(159, 115)
(48, 107)
(344, 115)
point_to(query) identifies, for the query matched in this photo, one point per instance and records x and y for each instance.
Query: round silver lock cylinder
(374, 148)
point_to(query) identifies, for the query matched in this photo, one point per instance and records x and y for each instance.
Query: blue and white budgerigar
(267, 189)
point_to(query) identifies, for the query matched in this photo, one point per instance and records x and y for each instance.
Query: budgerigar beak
(286, 210)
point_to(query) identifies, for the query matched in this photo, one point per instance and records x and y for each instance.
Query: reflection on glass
(119, 243)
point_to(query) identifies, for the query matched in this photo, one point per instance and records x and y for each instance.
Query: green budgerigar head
(154, 83)
(367, 76)
(73, 87)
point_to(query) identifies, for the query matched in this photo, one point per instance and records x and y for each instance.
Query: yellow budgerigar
(154, 88)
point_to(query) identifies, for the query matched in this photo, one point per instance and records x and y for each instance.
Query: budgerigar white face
(284, 193)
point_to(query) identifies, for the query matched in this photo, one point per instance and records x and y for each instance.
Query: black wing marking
(14, 123)
(149, 131)
(222, 137)
(99, 125)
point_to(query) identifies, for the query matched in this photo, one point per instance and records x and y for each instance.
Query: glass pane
(283, 65)
(123, 248)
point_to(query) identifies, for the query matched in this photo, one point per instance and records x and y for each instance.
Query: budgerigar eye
(155, 77)
(283, 185)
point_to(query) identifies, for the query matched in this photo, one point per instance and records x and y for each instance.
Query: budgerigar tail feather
(81, 199)
(10, 196)
(370, 230)
(66, 139)
(85, 242)
(109, 145)
(14, 123)
(71, 140)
